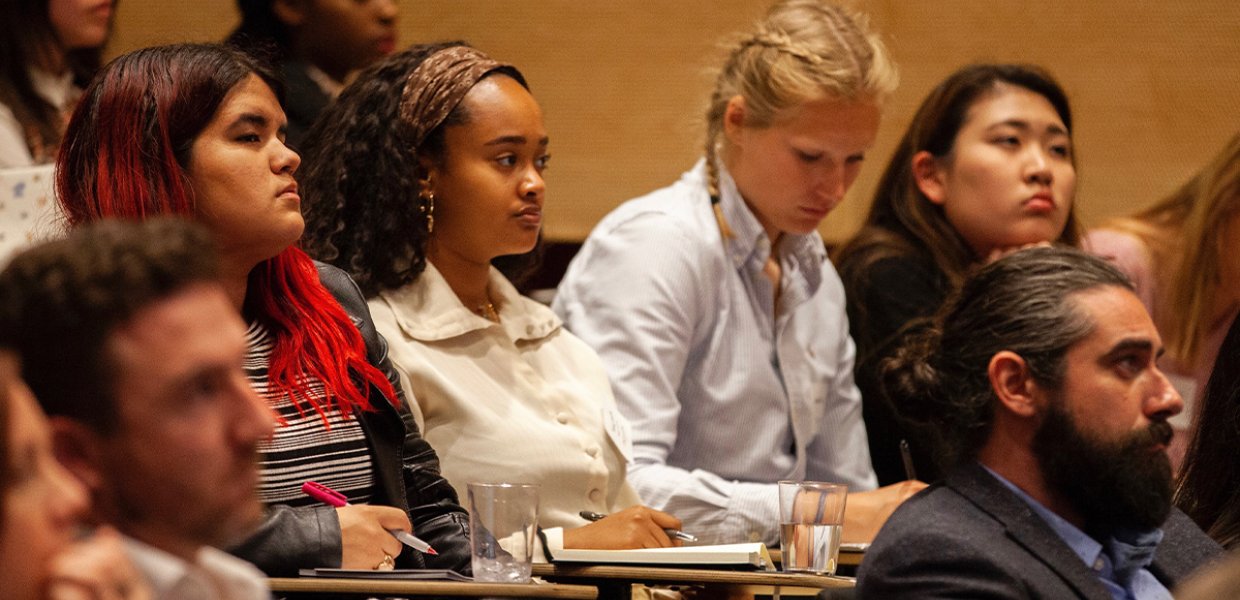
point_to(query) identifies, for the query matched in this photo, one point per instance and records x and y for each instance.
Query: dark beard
(1112, 485)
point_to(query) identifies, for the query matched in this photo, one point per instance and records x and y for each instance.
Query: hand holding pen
(672, 532)
(393, 520)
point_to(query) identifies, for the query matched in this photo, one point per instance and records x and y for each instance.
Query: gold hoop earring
(427, 207)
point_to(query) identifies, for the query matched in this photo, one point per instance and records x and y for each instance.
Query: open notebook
(723, 555)
(406, 574)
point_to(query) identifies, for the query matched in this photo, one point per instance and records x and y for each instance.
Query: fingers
(365, 539)
(392, 518)
(96, 568)
(663, 519)
(998, 253)
(634, 527)
(647, 525)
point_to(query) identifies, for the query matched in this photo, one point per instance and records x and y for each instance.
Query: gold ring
(387, 565)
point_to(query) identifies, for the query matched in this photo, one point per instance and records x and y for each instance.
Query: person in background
(49, 49)
(1041, 375)
(43, 509)
(1183, 254)
(712, 303)
(157, 421)
(213, 150)
(444, 151)
(317, 46)
(1208, 488)
(986, 166)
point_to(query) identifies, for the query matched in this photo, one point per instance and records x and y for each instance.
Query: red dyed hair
(124, 155)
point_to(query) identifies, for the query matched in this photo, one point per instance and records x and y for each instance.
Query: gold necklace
(487, 311)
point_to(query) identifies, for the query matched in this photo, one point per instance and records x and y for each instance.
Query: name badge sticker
(618, 430)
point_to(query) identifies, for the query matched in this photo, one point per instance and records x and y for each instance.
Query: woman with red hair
(197, 130)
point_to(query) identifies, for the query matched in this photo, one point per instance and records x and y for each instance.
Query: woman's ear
(429, 171)
(928, 175)
(734, 119)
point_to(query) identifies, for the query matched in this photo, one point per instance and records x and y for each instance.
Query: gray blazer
(971, 537)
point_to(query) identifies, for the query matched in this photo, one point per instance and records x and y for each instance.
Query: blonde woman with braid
(713, 305)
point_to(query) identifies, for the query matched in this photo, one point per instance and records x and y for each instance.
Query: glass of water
(811, 518)
(503, 520)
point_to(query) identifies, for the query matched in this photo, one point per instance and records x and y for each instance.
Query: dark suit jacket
(971, 537)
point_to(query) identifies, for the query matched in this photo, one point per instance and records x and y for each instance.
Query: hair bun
(908, 378)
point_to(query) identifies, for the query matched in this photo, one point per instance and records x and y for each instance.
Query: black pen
(909, 472)
(676, 533)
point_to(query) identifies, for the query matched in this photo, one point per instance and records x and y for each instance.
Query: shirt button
(755, 536)
(1098, 564)
(592, 450)
(596, 495)
(562, 418)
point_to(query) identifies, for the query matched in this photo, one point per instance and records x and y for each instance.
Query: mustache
(1159, 432)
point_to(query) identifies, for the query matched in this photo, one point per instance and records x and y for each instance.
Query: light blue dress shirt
(727, 393)
(1142, 584)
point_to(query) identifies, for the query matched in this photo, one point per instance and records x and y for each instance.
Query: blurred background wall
(1155, 85)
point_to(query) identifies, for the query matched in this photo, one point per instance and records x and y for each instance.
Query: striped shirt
(304, 447)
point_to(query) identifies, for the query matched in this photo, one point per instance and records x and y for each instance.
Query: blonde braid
(780, 41)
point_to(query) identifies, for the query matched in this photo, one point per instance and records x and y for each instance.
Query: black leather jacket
(406, 469)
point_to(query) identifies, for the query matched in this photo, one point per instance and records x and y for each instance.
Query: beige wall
(1155, 84)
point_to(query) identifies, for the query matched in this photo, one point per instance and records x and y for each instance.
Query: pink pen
(331, 497)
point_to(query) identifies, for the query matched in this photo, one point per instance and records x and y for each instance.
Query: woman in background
(1209, 481)
(1183, 255)
(317, 45)
(42, 512)
(986, 166)
(426, 172)
(712, 303)
(49, 49)
(197, 130)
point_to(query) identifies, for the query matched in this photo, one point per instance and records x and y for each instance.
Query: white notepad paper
(748, 554)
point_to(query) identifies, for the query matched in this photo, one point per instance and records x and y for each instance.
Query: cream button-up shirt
(520, 401)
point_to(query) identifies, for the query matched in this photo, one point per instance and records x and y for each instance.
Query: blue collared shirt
(727, 390)
(1142, 586)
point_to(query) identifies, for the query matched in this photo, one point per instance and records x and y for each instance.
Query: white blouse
(521, 401)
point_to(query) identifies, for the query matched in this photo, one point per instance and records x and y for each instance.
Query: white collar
(428, 310)
(58, 90)
(213, 574)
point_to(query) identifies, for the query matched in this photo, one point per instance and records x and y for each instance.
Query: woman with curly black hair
(426, 170)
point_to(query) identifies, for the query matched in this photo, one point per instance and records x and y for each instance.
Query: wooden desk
(310, 587)
(613, 581)
(850, 558)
